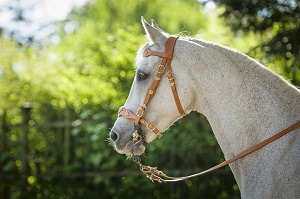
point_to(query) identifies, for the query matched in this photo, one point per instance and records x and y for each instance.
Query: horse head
(152, 93)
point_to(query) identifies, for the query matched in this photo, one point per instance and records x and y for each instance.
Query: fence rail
(59, 153)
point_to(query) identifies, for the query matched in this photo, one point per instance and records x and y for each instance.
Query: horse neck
(243, 101)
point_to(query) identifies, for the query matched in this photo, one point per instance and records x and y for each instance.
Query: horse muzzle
(128, 145)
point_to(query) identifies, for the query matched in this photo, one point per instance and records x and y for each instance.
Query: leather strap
(244, 153)
(149, 52)
(167, 59)
(126, 113)
(173, 87)
(152, 172)
(150, 93)
(165, 64)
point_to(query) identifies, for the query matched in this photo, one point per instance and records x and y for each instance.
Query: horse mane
(239, 59)
(234, 55)
(243, 61)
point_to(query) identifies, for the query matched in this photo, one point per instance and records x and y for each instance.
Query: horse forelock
(140, 55)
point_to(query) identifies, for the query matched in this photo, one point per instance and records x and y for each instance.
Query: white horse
(243, 101)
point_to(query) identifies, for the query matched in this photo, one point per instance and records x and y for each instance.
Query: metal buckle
(140, 114)
(171, 77)
(151, 129)
(161, 69)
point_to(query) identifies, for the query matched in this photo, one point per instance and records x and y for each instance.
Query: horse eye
(142, 76)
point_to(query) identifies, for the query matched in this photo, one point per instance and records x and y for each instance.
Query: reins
(151, 172)
(155, 175)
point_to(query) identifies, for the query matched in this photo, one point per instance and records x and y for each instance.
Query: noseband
(165, 65)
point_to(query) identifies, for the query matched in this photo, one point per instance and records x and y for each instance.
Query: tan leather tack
(126, 113)
(165, 65)
(244, 153)
(151, 172)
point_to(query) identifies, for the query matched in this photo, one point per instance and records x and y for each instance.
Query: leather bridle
(151, 172)
(165, 65)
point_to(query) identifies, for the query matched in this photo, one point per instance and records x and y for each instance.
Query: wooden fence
(64, 142)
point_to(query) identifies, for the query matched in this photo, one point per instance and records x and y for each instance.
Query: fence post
(4, 186)
(67, 137)
(26, 108)
(4, 129)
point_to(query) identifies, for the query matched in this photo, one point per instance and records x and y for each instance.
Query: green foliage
(75, 89)
(278, 23)
(113, 15)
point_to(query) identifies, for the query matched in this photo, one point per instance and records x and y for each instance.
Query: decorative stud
(126, 113)
(161, 69)
(146, 52)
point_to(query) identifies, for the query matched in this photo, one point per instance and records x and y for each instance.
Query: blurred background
(67, 66)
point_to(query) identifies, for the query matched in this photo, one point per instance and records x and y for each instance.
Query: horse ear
(154, 35)
(155, 25)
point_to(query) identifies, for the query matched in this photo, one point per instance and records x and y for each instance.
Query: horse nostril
(113, 136)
